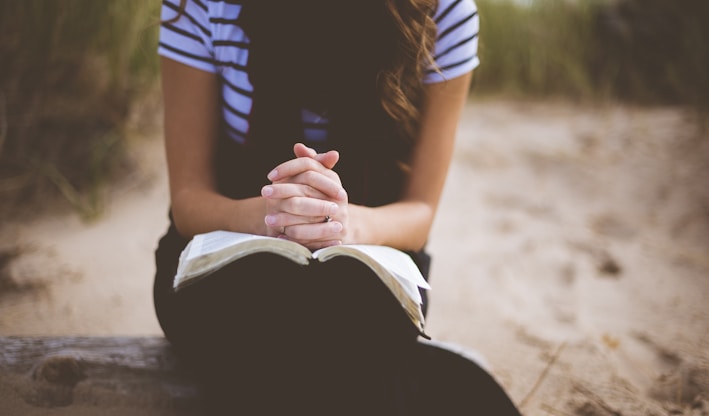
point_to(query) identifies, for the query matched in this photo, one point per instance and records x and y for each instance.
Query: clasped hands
(305, 201)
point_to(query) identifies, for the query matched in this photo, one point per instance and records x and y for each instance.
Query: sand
(571, 250)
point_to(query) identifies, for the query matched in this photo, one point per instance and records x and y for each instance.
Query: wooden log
(138, 375)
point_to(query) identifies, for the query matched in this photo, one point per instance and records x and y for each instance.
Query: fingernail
(272, 175)
(337, 227)
(333, 209)
(266, 191)
(270, 219)
(342, 195)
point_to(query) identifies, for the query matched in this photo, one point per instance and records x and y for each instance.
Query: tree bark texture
(137, 374)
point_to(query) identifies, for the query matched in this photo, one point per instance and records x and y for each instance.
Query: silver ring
(327, 219)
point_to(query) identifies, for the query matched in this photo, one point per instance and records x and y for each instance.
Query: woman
(255, 93)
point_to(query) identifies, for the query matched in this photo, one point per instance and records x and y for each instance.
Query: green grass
(541, 49)
(71, 71)
(643, 51)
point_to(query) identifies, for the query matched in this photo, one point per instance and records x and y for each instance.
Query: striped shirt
(206, 37)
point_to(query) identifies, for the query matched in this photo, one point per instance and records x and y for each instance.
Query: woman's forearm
(198, 211)
(403, 225)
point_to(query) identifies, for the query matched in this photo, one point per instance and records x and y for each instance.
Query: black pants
(268, 337)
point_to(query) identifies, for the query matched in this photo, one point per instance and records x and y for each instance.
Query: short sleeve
(456, 48)
(186, 37)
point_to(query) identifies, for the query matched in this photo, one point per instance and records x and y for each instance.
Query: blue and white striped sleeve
(187, 39)
(456, 49)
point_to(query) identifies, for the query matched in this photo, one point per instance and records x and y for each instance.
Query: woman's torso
(208, 37)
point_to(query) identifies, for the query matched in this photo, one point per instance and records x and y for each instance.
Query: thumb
(328, 159)
(301, 150)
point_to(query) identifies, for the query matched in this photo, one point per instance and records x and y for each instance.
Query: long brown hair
(401, 85)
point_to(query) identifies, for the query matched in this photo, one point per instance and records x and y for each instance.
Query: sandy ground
(571, 249)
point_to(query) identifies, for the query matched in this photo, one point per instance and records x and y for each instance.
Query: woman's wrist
(247, 216)
(357, 230)
(402, 225)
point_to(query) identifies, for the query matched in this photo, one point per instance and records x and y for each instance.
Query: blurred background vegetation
(647, 52)
(72, 74)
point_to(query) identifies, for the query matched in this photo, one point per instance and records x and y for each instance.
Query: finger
(284, 219)
(316, 180)
(328, 159)
(290, 190)
(313, 233)
(301, 150)
(294, 167)
(308, 207)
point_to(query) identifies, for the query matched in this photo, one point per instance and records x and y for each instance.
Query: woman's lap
(317, 335)
(267, 336)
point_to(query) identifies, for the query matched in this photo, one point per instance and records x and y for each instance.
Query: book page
(207, 253)
(215, 241)
(411, 289)
(394, 260)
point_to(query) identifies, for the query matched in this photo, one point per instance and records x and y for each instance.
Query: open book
(207, 253)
